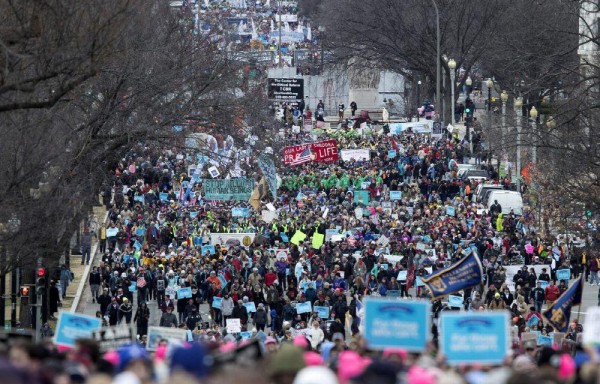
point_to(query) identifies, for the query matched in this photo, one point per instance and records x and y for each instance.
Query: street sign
(289, 90)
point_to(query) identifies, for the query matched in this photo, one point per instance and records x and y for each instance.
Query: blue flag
(465, 273)
(559, 314)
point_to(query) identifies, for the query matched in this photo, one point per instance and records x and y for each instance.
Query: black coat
(54, 297)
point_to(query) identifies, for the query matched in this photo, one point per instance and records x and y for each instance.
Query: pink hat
(566, 367)
(161, 353)
(418, 375)
(300, 341)
(112, 357)
(350, 364)
(312, 359)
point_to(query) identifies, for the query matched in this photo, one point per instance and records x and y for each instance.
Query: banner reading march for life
(465, 273)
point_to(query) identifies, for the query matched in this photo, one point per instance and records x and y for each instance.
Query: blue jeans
(85, 255)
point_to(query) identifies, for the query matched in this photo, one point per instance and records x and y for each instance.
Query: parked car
(462, 168)
(508, 200)
(483, 188)
(476, 175)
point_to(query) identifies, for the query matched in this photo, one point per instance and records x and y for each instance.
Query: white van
(508, 200)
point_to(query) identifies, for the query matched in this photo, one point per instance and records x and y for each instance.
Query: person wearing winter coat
(125, 311)
(316, 335)
(497, 302)
(168, 319)
(239, 312)
(260, 318)
(226, 307)
(112, 312)
(142, 315)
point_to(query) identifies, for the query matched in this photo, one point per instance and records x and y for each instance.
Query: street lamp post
(418, 97)
(504, 98)
(533, 113)
(468, 83)
(519, 114)
(279, 43)
(452, 66)
(490, 84)
(438, 59)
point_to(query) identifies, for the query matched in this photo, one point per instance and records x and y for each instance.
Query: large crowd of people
(355, 243)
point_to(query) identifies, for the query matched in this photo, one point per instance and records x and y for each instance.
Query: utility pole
(279, 15)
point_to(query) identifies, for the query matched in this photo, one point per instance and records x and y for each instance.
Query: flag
(465, 273)
(394, 145)
(559, 313)
(303, 157)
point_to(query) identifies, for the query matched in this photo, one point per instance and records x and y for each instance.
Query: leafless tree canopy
(81, 83)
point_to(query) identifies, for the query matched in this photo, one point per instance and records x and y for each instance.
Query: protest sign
(355, 154)
(450, 211)
(544, 340)
(391, 154)
(475, 337)
(361, 197)
(158, 334)
(323, 312)
(240, 212)
(208, 248)
(214, 172)
(298, 237)
(269, 171)
(591, 327)
(532, 322)
(232, 239)
(229, 189)
(268, 216)
(184, 293)
(543, 284)
(330, 232)
(113, 337)
(303, 308)
(163, 196)
(397, 324)
(563, 274)
(234, 326)
(217, 302)
(250, 307)
(319, 152)
(402, 275)
(246, 335)
(112, 232)
(395, 195)
(73, 326)
(455, 301)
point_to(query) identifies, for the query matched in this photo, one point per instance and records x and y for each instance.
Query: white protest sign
(234, 326)
(214, 172)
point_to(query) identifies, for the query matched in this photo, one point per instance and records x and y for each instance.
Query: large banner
(423, 126)
(232, 239)
(281, 89)
(229, 189)
(355, 154)
(320, 152)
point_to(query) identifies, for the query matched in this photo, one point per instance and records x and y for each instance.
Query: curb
(86, 273)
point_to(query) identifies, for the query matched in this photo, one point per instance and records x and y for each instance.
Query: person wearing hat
(497, 302)
(285, 364)
(260, 317)
(168, 319)
(125, 311)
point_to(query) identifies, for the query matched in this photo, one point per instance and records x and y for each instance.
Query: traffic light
(40, 282)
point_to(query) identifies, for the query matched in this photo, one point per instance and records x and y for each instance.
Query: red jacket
(552, 292)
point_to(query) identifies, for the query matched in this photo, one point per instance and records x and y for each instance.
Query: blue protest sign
(163, 196)
(450, 211)
(139, 198)
(184, 293)
(420, 282)
(246, 335)
(140, 231)
(217, 302)
(563, 274)
(365, 185)
(193, 215)
(455, 301)
(392, 154)
(361, 197)
(544, 340)
(303, 308)
(396, 323)
(133, 287)
(474, 337)
(395, 195)
(323, 312)
(250, 307)
(533, 320)
(208, 248)
(73, 326)
(223, 280)
(402, 275)
(543, 283)
(240, 212)
(284, 237)
(228, 189)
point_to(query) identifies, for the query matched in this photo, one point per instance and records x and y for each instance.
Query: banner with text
(355, 154)
(229, 189)
(232, 239)
(320, 152)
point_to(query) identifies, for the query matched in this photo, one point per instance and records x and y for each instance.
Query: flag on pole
(559, 313)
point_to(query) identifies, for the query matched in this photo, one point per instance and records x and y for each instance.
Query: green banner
(230, 189)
